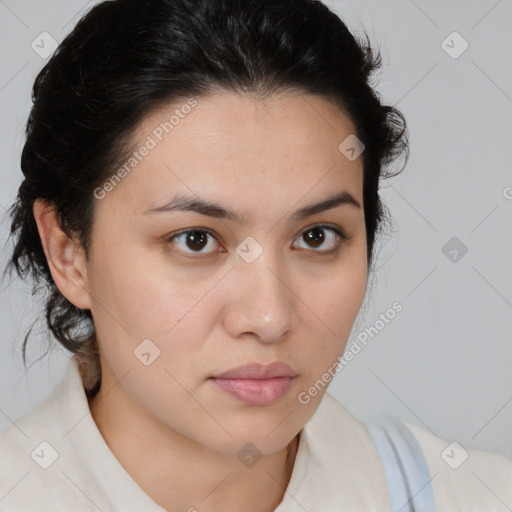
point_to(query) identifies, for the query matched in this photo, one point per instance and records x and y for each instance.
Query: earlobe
(65, 256)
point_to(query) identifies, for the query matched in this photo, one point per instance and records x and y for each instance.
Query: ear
(65, 256)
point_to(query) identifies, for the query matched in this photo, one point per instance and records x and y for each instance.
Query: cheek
(336, 293)
(145, 293)
(333, 301)
(343, 298)
(140, 299)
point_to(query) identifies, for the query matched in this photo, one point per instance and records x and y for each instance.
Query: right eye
(195, 239)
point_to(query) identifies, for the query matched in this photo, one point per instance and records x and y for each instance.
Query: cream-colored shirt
(54, 459)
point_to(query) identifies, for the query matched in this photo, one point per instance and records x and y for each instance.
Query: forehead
(233, 148)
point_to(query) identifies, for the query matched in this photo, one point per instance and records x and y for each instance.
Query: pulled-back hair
(126, 58)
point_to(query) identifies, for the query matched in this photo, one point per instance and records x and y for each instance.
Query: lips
(256, 384)
(259, 371)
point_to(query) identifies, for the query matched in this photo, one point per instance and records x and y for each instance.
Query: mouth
(256, 384)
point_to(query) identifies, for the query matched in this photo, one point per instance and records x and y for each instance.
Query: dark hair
(125, 58)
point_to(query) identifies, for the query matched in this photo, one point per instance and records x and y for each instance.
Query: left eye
(315, 236)
(193, 241)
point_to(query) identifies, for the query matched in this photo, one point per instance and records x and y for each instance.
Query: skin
(174, 432)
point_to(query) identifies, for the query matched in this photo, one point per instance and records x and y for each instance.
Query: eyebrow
(211, 209)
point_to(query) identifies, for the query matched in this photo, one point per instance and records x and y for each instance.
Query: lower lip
(255, 391)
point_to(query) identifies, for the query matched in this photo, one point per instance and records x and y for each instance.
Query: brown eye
(196, 240)
(314, 237)
(321, 236)
(193, 241)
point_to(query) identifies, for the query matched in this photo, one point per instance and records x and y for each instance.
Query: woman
(201, 200)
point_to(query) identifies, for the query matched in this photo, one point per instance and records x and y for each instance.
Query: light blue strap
(404, 465)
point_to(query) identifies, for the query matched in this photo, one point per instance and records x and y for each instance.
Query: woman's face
(258, 286)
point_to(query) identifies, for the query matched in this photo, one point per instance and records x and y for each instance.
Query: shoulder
(420, 468)
(19, 439)
(36, 461)
(25, 452)
(465, 478)
(426, 469)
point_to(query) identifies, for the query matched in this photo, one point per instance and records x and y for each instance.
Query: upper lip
(258, 371)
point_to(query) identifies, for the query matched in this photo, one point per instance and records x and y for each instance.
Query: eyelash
(342, 239)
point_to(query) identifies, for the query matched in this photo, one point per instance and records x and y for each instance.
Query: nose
(261, 302)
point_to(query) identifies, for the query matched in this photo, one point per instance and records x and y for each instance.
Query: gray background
(444, 361)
